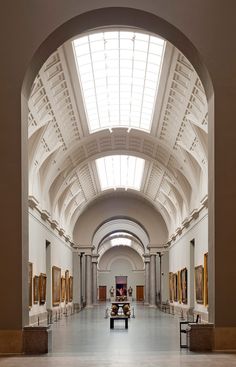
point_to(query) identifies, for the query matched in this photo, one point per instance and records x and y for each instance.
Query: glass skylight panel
(120, 171)
(121, 241)
(119, 74)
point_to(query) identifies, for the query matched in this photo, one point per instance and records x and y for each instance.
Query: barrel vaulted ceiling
(63, 148)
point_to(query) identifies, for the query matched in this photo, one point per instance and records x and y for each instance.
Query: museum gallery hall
(117, 187)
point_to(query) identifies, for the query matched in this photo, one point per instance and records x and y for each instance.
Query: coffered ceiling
(63, 149)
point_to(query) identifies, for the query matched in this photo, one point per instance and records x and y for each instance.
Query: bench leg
(111, 323)
(126, 323)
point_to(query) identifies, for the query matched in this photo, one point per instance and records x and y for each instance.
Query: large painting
(67, 286)
(42, 288)
(70, 289)
(199, 283)
(30, 287)
(36, 289)
(175, 287)
(206, 279)
(56, 286)
(121, 287)
(179, 287)
(63, 289)
(184, 285)
(171, 296)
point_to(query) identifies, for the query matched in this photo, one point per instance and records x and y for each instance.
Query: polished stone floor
(85, 340)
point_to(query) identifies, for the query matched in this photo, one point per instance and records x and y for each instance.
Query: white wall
(179, 252)
(61, 254)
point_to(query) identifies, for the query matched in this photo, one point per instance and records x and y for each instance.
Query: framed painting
(56, 286)
(30, 283)
(184, 285)
(179, 287)
(175, 287)
(63, 289)
(171, 286)
(199, 283)
(36, 289)
(42, 288)
(70, 289)
(121, 287)
(206, 279)
(67, 286)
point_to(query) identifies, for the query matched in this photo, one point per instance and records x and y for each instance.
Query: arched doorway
(87, 256)
(127, 14)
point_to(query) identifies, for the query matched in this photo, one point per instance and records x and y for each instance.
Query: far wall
(121, 261)
(121, 267)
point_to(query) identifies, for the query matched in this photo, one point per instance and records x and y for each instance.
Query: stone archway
(88, 21)
(109, 17)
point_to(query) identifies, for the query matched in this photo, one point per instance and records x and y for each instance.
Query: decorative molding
(33, 202)
(45, 215)
(54, 224)
(186, 223)
(62, 232)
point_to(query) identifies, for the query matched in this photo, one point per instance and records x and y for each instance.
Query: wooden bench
(122, 317)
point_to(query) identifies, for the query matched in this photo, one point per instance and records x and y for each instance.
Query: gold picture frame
(63, 289)
(70, 289)
(179, 287)
(199, 284)
(175, 286)
(56, 286)
(42, 288)
(30, 284)
(36, 289)
(206, 279)
(67, 286)
(171, 293)
(184, 285)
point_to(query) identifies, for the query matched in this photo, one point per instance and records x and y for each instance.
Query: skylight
(121, 241)
(120, 171)
(119, 75)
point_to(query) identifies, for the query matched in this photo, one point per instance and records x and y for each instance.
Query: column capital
(154, 249)
(146, 258)
(85, 249)
(95, 258)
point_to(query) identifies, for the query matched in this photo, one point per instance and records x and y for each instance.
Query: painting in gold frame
(70, 289)
(67, 286)
(42, 288)
(171, 287)
(184, 285)
(179, 287)
(175, 287)
(36, 289)
(30, 283)
(206, 279)
(56, 286)
(199, 284)
(63, 289)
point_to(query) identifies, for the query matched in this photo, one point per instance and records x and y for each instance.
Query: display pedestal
(200, 337)
(37, 339)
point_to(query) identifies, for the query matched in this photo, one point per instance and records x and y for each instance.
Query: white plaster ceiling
(63, 178)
